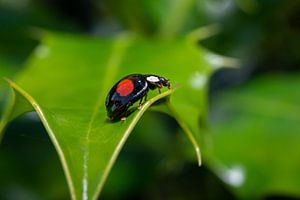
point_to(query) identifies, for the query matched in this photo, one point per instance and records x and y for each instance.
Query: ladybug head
(157, 81)
(165, 82)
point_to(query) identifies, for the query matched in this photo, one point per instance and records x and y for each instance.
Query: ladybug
(129, 90)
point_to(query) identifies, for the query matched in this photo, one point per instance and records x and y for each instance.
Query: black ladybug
(129, 90)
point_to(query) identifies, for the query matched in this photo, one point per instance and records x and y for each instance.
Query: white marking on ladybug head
(153, 79)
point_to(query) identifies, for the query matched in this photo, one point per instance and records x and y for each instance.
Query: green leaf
(90, 144)
(66, 82)
(256, 136)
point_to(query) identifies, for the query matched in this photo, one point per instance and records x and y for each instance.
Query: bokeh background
(254, 115)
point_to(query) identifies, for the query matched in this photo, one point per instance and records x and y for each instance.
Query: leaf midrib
(113, 64)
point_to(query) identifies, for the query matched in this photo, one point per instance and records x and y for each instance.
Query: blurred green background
(254, 116)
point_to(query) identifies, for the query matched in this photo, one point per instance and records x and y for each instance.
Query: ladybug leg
(141, 101)
(140, 104)
(159, 86)
(127, 107)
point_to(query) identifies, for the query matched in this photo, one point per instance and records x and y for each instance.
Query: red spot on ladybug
(125, 87)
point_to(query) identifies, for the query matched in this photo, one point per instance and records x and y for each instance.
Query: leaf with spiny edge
(66, 81)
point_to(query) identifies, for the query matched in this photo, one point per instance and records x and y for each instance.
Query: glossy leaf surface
(66, 81)
(256, 136)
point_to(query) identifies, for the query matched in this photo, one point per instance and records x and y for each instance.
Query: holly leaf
(256, 137)
(66, 82)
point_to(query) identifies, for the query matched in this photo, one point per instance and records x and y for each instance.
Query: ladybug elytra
(129, 90)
